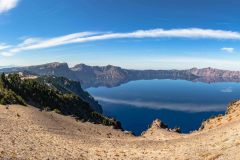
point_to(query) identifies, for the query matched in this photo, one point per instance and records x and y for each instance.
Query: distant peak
(194, 68)
(53, 64)
(209, 68)
(81, 66)
(56, 64)
(109, 65)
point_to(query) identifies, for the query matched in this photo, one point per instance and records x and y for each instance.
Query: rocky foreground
(27, 133)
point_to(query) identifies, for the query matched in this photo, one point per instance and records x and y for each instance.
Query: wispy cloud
(83, 37)
(6, 5)
(39, 43)
(4, 46)
(184, 107)
(227, 90)
(228, 49)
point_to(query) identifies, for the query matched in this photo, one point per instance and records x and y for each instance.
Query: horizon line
(69, 66)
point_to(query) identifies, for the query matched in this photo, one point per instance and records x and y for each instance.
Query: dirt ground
(27, 133)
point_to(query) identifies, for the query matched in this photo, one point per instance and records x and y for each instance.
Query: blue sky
(141, 34)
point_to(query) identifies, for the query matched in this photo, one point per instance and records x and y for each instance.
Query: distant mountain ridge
(8, 66)
(94, 76)
(212, 72)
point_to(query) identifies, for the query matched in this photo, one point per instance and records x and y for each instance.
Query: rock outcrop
(160, 131)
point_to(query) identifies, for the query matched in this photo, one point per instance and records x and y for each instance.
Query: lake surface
(178, 103)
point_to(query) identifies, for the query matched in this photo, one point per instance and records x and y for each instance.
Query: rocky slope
(27, 133)
(232, 115)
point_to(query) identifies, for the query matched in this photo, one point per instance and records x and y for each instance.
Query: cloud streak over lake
(184, 107)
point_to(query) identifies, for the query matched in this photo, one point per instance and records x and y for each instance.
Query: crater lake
(178, 103)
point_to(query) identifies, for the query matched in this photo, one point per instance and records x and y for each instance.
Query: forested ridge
(17, 90)
(65, 85)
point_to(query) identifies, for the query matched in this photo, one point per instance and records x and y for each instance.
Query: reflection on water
(185, 107)
(178, 103)
(88, 83)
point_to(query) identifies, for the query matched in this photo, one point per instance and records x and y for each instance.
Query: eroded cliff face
(212, 72)
(68, 86)
(232, 115)
(160, 131)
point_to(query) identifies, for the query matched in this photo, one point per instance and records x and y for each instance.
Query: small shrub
(57, 111)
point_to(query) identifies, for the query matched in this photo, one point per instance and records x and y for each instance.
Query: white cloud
(58, 40)
(84, 37)
(6, 54)
(4, 46)
(6, 5)
(37, 43)
(29, 41)
(227, 49)
(160, 33)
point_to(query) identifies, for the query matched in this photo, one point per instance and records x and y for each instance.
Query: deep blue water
(178, 103)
